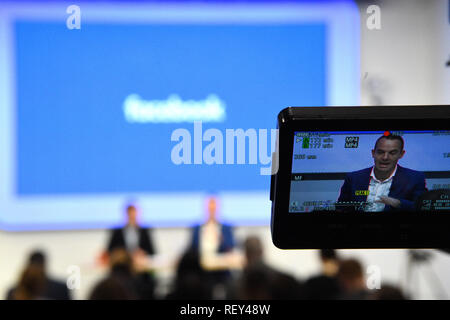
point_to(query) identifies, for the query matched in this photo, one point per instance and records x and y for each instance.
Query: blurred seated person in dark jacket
(259, 281)
(213, 240)
(35, 283)
(352, 281)
(388, 292)
(124, 281)
(132, 237)
(324, 286)
(191, 281)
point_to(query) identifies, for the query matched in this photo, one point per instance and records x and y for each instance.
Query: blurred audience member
(31, 284)
(34, 282)
(132, 237)
(388, 292)
(329, 261)
(191, 281)
(351, 280)
(254, 253)
(111, 289)
(119, 284)
(324, 286)
(123, 281)
(259, 281)
(255, 281)
(212, 238)
(255, 284)
(136, 240)
(286, 287)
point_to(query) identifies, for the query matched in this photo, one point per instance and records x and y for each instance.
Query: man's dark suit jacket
(226, 242)
(118, 240)
(54, 290)
(407, 186)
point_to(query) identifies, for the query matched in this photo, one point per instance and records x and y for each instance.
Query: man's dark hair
(253, 249)
(391, 137)
(37, 258)
(326, 254)
(129, 206)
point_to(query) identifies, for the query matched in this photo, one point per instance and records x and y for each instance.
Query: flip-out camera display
(370, 171)
(362, 177)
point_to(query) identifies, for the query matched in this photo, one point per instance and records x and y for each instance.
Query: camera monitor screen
(370, 171)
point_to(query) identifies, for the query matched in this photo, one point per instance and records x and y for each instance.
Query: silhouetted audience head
(123, 283)
(253, 250)
(388, 292)
(34, 283)
(111, 288)
(256, 278)
(121, 262)
(351, 279)
(330, 262)
(351, 273)
(31, 284)
(286, 287)
(260, 281)
(322, 287)
(328, 254)
(255, 284)
(191, 281)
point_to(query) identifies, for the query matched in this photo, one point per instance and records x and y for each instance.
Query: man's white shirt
(209, 237)
(377, 189)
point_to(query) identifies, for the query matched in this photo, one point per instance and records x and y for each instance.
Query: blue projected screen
(354, 170)
(73, 132)
(161, 104)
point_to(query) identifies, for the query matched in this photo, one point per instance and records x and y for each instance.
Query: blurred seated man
(35, 283)
(213, 238)
(133, 238)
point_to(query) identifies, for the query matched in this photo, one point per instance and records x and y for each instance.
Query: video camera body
(362, 177)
